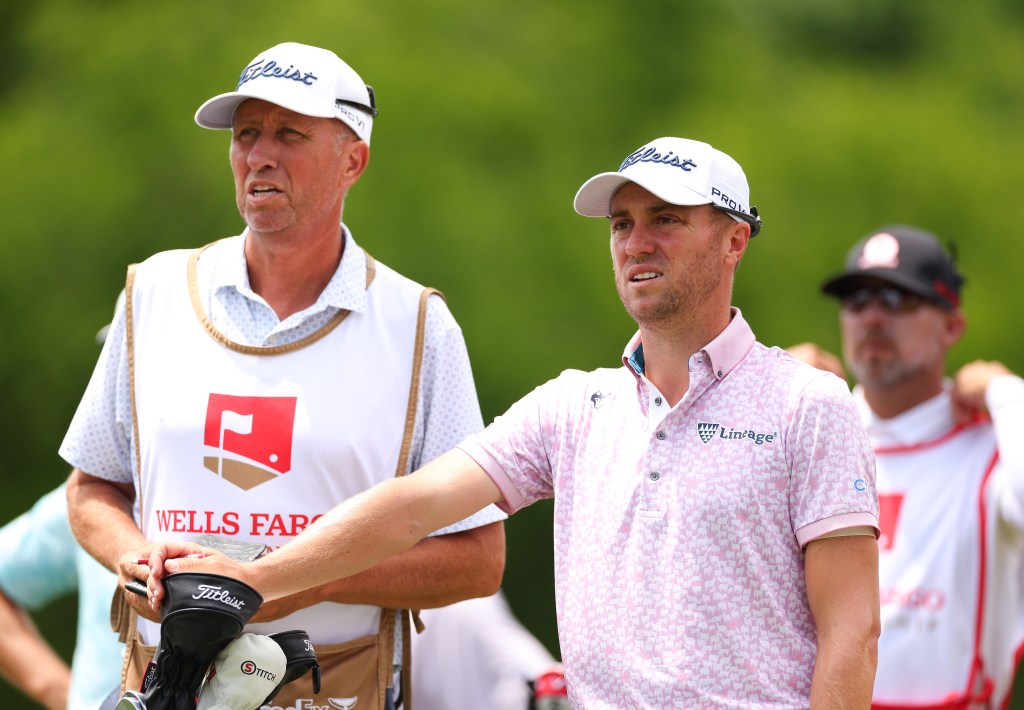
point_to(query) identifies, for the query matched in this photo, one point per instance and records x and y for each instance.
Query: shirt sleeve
(98, 441)
(448, 410)
(832, 463)
(37, 553)
(1004, 398)
(515, 450)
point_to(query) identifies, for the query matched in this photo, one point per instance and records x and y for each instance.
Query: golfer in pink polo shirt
(715, 506)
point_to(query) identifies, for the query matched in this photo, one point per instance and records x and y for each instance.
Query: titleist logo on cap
(651, 155)
(217, 594)
(273, 70)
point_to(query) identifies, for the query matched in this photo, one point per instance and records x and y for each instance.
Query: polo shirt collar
(724, 353)
(345, 290)
(925, 422)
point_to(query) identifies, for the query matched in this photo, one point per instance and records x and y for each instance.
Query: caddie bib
(934, 523)
(255, 443)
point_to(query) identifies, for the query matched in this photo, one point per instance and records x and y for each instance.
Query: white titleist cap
(679, 171)
(304, 79)
(245, 672)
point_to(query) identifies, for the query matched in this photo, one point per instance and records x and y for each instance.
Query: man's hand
(817, 357)
(969, 386)
(132, 566)
(169, 557)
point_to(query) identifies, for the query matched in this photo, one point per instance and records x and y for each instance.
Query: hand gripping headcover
(301, 659)
(201, 614)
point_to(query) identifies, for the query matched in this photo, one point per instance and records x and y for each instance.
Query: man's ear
(357, 157)
(956, 325)
(739, 237)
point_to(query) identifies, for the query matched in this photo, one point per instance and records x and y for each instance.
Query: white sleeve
(98, 440)
(1004, 398)
(448, 410)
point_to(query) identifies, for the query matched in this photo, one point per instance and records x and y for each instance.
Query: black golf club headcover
(201, 614)
(300, 656)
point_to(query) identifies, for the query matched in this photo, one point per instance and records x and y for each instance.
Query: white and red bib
(950, 563)
(933, 517)
(255, 444)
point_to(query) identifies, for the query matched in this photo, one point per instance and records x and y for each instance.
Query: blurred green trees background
(846, 115)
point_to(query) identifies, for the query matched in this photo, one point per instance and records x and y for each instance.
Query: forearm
(844, 673)
(370, 528)
(353, 537)
(100, 513)
(434, 572)
(28, 662)
(842, 590)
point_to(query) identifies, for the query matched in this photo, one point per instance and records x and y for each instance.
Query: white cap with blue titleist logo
(300, 78)
(679, 171)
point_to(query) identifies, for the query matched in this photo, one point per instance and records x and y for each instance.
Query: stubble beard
(701, 277)
(876, 373)
(672, 305)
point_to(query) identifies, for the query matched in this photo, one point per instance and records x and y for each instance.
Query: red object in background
(549, 692)
(888, 519)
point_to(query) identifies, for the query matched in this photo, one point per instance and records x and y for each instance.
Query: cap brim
(219, 112)
(594, 198)
(845, 283)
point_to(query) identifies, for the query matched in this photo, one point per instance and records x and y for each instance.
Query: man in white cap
(252, 384)
(715, 509)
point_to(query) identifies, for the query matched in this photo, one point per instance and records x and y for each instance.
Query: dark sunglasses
(371, 109)
(894, 300)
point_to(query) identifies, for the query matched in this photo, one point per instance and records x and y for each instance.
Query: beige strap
(122, 616)
(414, 386)
(406, 696)
(412, 615)
(129, 320)
(386, 653)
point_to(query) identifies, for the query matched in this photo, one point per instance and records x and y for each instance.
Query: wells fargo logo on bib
(249, 439)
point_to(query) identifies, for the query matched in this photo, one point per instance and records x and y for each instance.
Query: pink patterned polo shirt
(679, 573)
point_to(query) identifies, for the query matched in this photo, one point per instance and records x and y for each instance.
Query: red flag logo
(251, 438)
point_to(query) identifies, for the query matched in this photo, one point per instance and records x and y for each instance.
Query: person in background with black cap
(252, 384)
(950, 458)
(715, 509)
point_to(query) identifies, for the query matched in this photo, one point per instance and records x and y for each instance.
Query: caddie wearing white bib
(250, 386)
(950, 460)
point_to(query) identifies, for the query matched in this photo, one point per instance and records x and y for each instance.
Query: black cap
(909, 258)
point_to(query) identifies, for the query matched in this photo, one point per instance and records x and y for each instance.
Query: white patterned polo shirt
(679, 568)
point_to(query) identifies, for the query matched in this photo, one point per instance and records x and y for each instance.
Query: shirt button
(657, 401)
(655, 475)
(661, 436)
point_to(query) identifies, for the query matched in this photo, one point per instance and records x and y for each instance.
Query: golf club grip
(137, 586)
